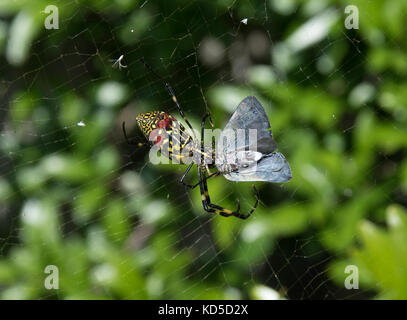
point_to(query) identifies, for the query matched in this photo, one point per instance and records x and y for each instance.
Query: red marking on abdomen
(165, 123)
(156, 137)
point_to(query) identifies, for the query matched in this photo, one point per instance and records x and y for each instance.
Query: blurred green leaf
(384, 253)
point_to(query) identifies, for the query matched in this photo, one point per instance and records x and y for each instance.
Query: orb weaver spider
(264, 164)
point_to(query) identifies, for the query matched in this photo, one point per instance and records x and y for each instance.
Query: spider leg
(184, 175)
(139, 144)
(181, 112)
(214, 208)
(193, 186)
(202, 147)
(206, 201)
(172, 95)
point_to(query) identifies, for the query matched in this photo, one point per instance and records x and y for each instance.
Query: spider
(265, 164)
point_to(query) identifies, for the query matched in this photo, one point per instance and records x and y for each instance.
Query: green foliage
(74, 195)
(381, 256)
(384, 253)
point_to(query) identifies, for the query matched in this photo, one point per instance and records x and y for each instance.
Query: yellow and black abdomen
(166, 133)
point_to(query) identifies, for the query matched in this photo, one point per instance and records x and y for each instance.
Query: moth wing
(251, 119)
(272, 168)
(242, 158)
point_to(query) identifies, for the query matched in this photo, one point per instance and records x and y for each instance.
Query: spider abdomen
(166, 133)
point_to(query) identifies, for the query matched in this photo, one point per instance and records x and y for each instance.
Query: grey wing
(272, 168)
(255, 132)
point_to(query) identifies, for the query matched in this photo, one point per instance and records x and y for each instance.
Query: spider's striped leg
(204, 192)
(215, 174)
(193, 186)
(174, 99)
(206, 201)
(172, 95)
(245, 216)
(210, 207)
(202, 148)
